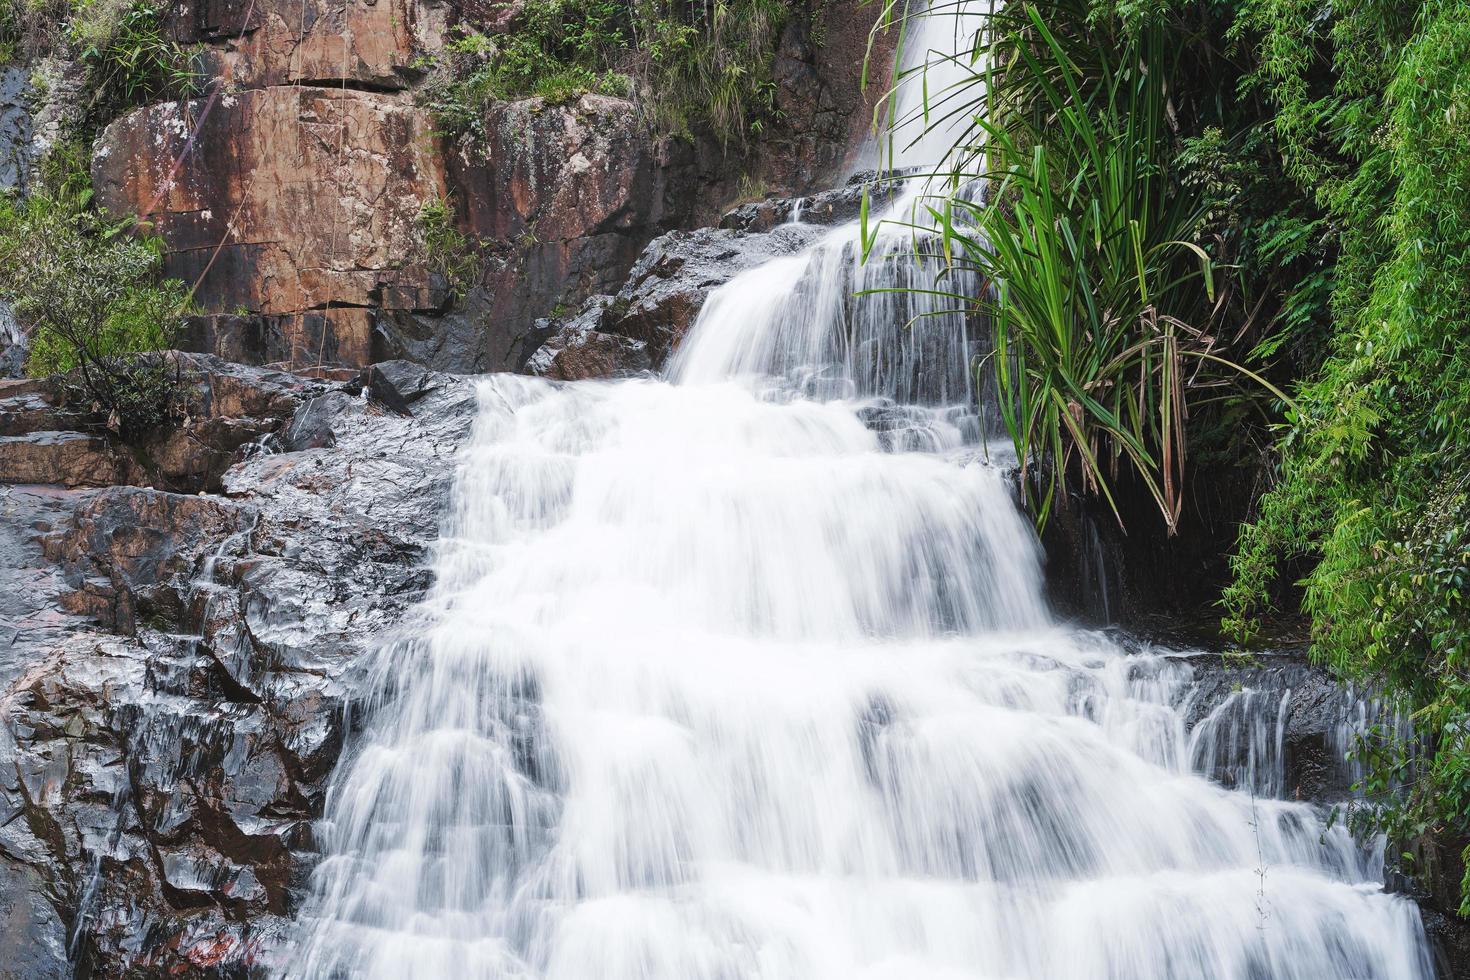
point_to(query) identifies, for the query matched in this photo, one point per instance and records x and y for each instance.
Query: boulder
(579, 350)
(669, 283)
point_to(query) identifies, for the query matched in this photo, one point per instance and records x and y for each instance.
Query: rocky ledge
(638, 328)
(175, 664)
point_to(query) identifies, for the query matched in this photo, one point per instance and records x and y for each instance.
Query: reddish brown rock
(564, 197)
(366, 42)
(221, 411)
(69, 459)
(300, 204)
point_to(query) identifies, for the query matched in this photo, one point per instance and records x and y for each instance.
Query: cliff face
(292, 192)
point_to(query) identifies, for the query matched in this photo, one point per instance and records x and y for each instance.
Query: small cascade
(747, 673)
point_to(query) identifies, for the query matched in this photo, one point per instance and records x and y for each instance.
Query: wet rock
(129, 550)
(668, 285)
(1316, 714)
(583, 354)
(172, 684)
(1449, 943)
(225, 410)
(17, 152)
(472, 339)
(14, 344)
(832, 207)
(578, 350)
(33, 937)
(71, 459)
(825, 106)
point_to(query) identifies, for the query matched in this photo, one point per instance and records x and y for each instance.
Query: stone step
(23, 414)
(70, 459)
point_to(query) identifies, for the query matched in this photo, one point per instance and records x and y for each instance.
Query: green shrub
(1091, 240)
(130, 58)
(91, 298)
(30, 28)
(1375, 467)
(687, 67)
(449, 251)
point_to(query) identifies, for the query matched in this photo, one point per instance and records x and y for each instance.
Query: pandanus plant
(1101, 298)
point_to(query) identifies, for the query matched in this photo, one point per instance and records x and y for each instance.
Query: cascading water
(747, 674)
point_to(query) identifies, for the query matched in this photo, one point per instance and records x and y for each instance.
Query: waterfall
(747, 673)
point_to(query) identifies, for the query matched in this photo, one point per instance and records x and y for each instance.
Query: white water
(748, 674)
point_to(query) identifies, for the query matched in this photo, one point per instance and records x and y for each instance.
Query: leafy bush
(91, 298)
(130, 58)
(30, 28)
(1374, 482)
(449, 251)
(129, 55)
(687, 66)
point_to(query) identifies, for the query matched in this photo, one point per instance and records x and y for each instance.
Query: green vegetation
(449, 251)
(1103, 302)
(686, 66)
(129, 56)
(1374, 481)
(87, 289)
(124, 45)
(92, 301)
(1310, 161)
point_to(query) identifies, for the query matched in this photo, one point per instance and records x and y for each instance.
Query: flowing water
(747, 673)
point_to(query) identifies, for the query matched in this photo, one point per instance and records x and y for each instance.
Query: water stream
(747, 673)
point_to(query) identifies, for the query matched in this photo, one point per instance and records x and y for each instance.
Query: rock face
(297, 204)
(16, 150)
(667, 286)
(826, 112)
(292, 193)
(562, 199)
(370, 45)
(175, 665)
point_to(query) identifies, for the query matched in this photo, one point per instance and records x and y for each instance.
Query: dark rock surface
(668, 285)
(174, 668)
(580, 349)
(16, 148)
(1315, 714)
(830, 207)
